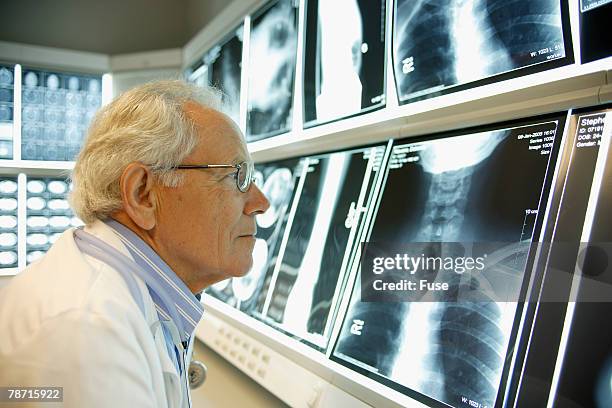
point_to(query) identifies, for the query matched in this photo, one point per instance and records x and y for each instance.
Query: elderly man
(163, 184)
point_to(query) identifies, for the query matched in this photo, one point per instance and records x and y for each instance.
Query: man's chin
(240, 273)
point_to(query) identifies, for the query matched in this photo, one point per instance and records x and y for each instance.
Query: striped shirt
(188, 306)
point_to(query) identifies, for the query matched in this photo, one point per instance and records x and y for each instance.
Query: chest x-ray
(325, 219)
(344, 58)
(277, 180)
(439, 44)
(450, 346)
(272, 55)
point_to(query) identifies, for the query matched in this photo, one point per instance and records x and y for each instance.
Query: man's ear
(138, 195)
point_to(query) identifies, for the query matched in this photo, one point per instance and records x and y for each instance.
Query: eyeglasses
(244, 172)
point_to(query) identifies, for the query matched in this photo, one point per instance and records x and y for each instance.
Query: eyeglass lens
(243, 179)
(244, 176)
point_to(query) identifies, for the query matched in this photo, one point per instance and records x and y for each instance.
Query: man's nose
(258, 202)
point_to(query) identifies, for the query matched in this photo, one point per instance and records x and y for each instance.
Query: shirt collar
(190, 309)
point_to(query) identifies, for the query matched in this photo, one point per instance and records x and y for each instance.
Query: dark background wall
(106, 26)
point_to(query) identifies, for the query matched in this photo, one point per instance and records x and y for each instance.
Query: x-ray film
(479, 187)
(221, 67)
(277, 180)
(226, 70)
(47, 214)
(325, 218)
(586, 5)
(344, 62)
(8, 220)
(272, 56)
(7, 82)
(586, 364)
(441, 46)
(56, 110)
(198, 74)
(595, 37)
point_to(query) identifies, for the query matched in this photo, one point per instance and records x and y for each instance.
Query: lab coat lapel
(172, 380)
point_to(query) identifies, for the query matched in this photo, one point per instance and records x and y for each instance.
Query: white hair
(146, 124)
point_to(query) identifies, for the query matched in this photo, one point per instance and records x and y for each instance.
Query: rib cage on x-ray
(324, 223)
(344, 58)
(442, 43)
(473, 188)
(277, 181)
(272, 55)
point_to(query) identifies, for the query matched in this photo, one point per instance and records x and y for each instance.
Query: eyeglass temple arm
(208, 166)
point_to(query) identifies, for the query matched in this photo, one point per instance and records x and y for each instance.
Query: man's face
(206, 226)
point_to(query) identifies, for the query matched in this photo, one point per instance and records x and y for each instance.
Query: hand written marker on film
(442, 271)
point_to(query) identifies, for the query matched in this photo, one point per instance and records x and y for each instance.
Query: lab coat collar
(172, 378)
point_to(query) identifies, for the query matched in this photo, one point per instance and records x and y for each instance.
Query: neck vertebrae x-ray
(440, 44)
(344, 58)
(272, 55)
(461, 189)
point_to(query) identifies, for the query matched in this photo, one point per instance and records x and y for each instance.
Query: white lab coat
(70, 321)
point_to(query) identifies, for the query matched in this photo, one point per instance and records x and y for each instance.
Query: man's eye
(231, 176)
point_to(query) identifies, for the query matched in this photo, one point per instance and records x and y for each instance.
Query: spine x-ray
(480, 187)
(272, 55)
(440, 44)
(325, 219)
(344, 58)
(221, 67)
(277, 180)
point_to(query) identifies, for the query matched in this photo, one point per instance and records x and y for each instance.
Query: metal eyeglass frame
(248, 177)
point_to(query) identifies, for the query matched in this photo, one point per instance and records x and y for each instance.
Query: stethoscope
(96, 248)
